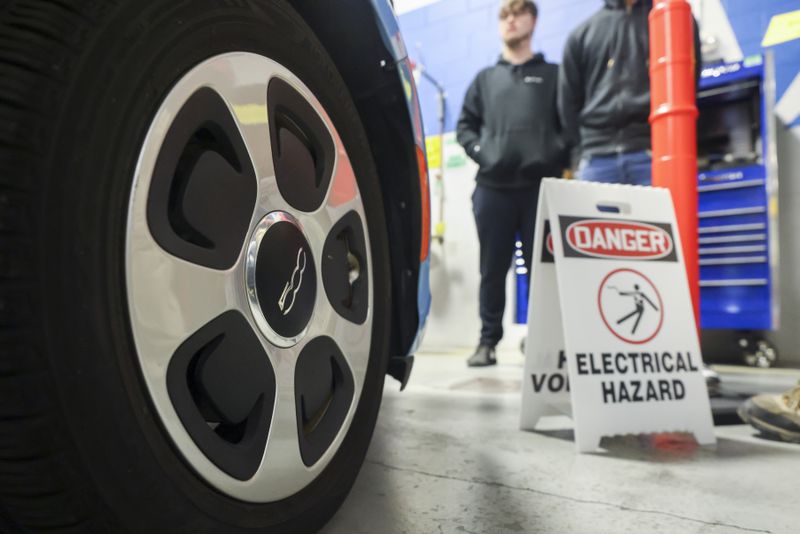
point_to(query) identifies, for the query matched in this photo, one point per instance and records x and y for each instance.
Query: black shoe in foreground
(483, 357)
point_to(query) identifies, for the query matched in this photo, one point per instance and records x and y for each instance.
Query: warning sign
(612, 337)
(546, 374)
(616, 239)
(630, 306)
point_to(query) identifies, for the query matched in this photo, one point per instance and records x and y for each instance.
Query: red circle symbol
(625, 298)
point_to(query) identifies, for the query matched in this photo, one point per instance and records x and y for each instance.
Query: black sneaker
(483, 357)
(777, 416)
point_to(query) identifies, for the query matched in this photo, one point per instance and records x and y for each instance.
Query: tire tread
(45, 483)
(35, 489)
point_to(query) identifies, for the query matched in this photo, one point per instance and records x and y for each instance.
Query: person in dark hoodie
(509, 127)
(604, 93)
(604, 99)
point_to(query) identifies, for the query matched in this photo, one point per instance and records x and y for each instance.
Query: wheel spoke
(170, 299)
(247, 97)
(352, 339)
(346, 265)
(282, 464)
(343, 196)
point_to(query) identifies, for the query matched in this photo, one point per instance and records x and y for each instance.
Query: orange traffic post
(673, 119)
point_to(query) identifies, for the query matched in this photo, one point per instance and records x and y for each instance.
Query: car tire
(85, 444)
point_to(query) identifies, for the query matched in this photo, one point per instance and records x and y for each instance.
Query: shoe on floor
(483, 357)
(777, 416)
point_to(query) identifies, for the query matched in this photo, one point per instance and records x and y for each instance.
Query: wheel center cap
(281, 279)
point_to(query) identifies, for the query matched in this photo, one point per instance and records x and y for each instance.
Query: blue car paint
(424, 301)
(390, 29)
(393, 40)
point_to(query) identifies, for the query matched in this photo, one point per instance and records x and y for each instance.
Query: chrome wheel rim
(180, 289)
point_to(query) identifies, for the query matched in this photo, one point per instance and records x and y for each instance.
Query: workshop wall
(454, 39)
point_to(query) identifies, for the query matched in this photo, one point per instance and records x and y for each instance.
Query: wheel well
(371, 75)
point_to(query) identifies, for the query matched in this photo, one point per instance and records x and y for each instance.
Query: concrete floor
(447, 457)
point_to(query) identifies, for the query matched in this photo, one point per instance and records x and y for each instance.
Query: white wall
(789, 221)
(714, 23)
(454, 322)
(404, 6)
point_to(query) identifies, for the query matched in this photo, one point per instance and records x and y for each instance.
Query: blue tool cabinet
(738, 187)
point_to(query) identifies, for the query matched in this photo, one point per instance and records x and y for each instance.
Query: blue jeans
(633, 168)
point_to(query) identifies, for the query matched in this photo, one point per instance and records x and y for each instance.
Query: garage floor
(447, 457)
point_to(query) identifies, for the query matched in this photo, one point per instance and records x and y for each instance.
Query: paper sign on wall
(612, 338)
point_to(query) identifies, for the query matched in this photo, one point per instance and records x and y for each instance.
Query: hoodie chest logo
(533, 79)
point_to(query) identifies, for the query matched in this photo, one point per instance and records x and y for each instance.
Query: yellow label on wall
(433, 146)
(782, 28)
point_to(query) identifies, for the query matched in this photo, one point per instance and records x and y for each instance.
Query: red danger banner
(617, 239)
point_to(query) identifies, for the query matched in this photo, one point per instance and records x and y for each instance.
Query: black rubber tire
(81, 447)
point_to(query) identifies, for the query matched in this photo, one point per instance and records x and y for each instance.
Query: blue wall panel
(750, 21)
(454, 39)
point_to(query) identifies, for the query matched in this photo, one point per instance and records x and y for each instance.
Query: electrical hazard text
(552, 382)
(640, 389)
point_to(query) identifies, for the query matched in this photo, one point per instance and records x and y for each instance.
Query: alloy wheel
(248, 271)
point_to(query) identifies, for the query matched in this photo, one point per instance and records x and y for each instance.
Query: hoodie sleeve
(468, 129)
(558, 127)
(571, 95)
(698, 52)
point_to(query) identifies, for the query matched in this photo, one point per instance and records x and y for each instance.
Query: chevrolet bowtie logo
(293, 285)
